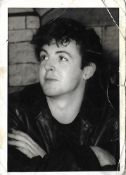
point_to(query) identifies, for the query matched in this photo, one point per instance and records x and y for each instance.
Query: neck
(65, 100)
(67, 104)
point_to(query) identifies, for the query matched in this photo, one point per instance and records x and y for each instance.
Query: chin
(52, 92)
(49, 92)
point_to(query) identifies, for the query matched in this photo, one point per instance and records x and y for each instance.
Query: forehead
(70, 46)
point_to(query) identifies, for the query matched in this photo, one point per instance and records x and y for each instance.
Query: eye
(43, 57)
(63, 58)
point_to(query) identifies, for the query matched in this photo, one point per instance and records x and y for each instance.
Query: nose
(50, 65)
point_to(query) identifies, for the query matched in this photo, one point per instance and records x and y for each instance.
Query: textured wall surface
(23, 23)
(23, 66)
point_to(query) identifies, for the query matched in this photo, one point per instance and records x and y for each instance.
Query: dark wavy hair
(63, 30)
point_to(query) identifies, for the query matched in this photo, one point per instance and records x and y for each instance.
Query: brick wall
(97, 18)
(23, 66)
(23, 23)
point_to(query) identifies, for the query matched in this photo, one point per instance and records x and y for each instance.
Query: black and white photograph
(63, 103)
(63, 90)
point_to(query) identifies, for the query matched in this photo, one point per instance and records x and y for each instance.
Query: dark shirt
(67, 145)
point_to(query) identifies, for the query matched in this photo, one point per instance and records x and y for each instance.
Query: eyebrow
(60, 51)
(63, 51)
(43, 50)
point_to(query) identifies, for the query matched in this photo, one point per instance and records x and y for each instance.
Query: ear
(88, 71)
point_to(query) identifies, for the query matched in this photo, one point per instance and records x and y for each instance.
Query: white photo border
(4, 5)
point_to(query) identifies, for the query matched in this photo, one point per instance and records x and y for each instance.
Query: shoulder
(30, 99)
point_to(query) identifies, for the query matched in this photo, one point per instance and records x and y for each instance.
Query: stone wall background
(23, 23)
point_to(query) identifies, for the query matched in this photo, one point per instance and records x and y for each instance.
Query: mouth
(50, 79)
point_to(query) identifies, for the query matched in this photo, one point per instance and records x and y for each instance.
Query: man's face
(60, 69)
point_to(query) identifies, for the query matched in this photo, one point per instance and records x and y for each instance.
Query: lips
(50, 79)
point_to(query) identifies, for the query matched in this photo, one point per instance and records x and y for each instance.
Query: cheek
(41, 73)
(73, 76)
(76, 73)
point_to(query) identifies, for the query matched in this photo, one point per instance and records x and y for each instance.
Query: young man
(59, 130)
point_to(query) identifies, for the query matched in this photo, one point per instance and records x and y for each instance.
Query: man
(60, 131)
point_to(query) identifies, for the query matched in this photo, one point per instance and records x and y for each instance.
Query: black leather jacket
(67, 146)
